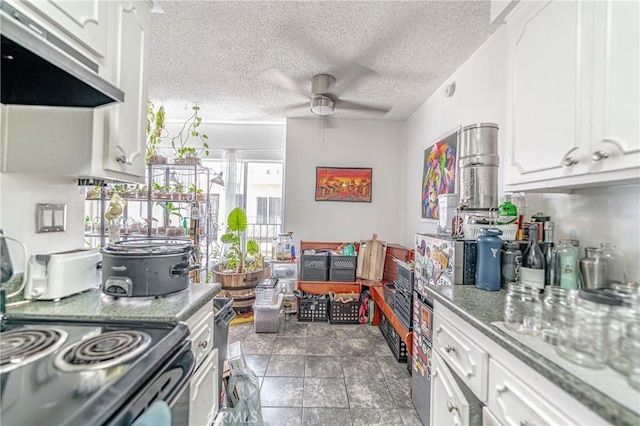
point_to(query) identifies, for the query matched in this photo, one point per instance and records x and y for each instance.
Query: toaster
(57, 275)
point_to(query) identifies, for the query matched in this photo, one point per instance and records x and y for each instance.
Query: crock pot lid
(150, 246)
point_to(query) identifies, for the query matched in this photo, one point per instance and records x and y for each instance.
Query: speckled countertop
(94, 305)
(481, 308)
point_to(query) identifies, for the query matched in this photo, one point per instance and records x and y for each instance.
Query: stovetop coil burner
(21, 347)
(103, 351)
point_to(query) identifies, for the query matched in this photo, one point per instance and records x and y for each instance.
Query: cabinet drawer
(203, 392)
(468, 360)
(202, 338)
(488, 419)
(515, 403)
(196, 318)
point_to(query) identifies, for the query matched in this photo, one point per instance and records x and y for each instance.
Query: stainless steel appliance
(147, 267)
(40, 69)
(478, 163)
(421, 357)
(57, 275)
(91, 373)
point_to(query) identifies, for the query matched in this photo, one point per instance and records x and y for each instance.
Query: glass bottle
(511, 263)
(518, 200)
(585, 341)
(547, 250)
(522, 309)
(615, 263)
(488, 259)
(508, 212)
(594, 268)
(533, 263)
(565, 272)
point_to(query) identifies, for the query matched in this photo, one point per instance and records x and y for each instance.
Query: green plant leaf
(253, 248)
(228, 238)
(237, 220)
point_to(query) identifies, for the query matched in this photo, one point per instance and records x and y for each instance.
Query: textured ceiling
(213, 52)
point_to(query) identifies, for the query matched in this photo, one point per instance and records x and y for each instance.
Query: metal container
(594, 268)
(146, 267)
(478, 163)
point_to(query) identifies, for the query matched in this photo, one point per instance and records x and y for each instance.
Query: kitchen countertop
(481, 308)
(94, 305)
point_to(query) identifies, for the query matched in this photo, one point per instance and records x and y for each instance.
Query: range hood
(40, 69)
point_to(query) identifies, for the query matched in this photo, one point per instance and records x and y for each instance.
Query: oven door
(168, 385)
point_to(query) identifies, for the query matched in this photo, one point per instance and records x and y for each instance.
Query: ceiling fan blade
(352, 105)
(302, 107)
(351, 75)
(277, 77)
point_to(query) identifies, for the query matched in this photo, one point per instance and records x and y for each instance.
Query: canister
(478, 163)
(447, 204)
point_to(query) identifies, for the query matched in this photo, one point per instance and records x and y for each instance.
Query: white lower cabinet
(450, 404)
(488, 418)
(203, 392)
(515, 403)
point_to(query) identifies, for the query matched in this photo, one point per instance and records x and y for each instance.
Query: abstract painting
(343, 184)
(438, 174)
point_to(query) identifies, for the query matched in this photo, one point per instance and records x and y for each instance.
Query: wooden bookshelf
(324, 287)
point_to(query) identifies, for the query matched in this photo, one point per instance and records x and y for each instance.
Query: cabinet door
(203, 391)
(615, 143)
(85, 21)
(548, 81)
(125, 136)
(449, 406)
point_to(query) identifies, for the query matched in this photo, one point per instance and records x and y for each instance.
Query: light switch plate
(51, 217)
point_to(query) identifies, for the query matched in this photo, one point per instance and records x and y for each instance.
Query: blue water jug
(488, 259)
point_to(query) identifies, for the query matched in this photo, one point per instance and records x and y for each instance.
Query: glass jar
(583, 339)
(633, 337)
(619, 345)
(565, 269)
(558, 304)
(522, 309)
(615, 263)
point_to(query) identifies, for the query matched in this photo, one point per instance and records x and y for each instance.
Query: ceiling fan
(325, 91)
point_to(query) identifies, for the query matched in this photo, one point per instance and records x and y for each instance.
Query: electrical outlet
(51, 217)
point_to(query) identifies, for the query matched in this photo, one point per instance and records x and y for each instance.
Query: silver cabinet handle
(569, 161)
(501, 388)
(449, 349)
(453, 408)
(599, 155)
(121, 159)
(203, 344)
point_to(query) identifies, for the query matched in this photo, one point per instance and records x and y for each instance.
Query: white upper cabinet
(573, 94)
(125, 122)
(85, 21)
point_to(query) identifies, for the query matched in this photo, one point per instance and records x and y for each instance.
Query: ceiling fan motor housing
(322, 84)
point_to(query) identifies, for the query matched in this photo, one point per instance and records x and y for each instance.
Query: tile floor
(324, 374)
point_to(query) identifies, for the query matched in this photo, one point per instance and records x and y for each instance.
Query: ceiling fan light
(322, 105)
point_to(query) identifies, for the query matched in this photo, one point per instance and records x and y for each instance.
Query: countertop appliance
(40, 69)
(421, 357)
(90, 373)
(57, 275)
(147, 267)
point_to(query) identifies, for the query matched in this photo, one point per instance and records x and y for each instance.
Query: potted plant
(185, 154)
(198, 195)
(240, 266)
(155, 132)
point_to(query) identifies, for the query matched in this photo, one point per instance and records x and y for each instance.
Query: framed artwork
(343, 184)
(438, 174)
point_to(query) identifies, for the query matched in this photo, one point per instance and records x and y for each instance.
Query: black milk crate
(405, 278)
(314, 261)
(403, 307)
(344, 313)
(314, 274)
(342, 274)
(312, 309)
(397, 346)
(343, 262)
(390, 294)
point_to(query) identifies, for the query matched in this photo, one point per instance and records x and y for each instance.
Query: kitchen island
(604, 392)
(94, 305)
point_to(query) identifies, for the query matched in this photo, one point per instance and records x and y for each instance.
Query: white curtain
(233, 179)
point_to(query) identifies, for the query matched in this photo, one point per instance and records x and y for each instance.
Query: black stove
(61, 372)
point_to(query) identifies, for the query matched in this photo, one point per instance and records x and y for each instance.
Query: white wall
(19, 194)
(354, 143)
(480, 96)
(608, 214)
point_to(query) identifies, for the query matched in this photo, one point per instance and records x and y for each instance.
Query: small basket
(314, 261)
(342, 275)
(314, 274)
(342, 262)
(472, 231)
(390, 294)
(312, 310)
(344, 313)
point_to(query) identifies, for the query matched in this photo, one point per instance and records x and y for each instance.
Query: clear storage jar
(522, 309)
(583, 338)
(633, 336)
(622, 317)
(558, 304)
